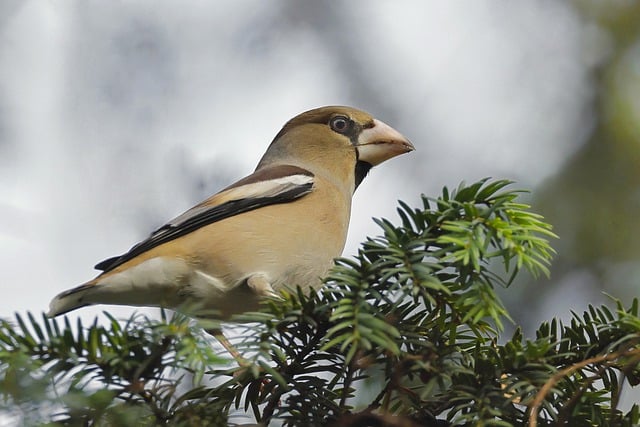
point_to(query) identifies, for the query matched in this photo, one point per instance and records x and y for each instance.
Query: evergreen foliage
(406, 333)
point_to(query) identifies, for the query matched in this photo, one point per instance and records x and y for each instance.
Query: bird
(282, 225)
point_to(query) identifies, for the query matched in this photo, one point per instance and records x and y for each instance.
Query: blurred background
(117, 116)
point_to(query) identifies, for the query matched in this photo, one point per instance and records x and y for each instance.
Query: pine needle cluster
(409, 332)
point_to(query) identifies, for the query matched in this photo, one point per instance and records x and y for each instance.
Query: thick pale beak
(381, 142)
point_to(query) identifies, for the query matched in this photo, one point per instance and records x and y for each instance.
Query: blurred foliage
(407, 333)
(593, 201)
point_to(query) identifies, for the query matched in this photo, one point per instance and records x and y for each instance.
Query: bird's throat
(362, 169)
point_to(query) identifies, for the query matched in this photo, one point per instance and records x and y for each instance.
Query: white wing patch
(269, 188)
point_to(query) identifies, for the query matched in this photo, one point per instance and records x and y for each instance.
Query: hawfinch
(282, 225)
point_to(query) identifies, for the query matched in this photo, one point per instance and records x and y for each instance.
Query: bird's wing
(268, 186)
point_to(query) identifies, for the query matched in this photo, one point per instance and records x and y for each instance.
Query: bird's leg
(261, 286)
(217, 334)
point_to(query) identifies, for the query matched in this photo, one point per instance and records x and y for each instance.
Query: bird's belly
(287, 253)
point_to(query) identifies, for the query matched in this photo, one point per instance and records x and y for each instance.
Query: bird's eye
(340, 124)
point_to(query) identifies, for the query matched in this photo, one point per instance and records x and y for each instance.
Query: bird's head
(336, 139)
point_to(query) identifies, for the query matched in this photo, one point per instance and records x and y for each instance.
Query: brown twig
(537, 402)
(563, 414)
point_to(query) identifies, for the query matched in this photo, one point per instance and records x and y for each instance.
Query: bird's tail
(70, 300)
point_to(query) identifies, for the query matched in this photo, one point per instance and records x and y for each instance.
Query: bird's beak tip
(407, 145)
(382, 142)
